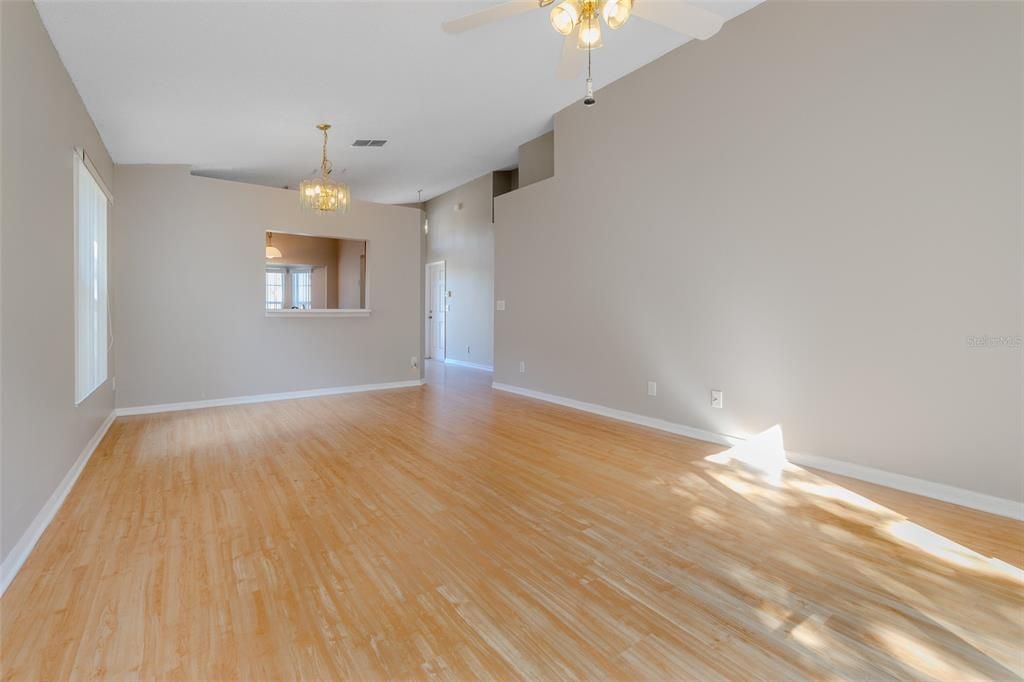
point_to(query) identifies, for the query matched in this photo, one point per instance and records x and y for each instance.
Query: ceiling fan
(580, 22)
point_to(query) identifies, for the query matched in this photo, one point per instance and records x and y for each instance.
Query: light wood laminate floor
(457, 532)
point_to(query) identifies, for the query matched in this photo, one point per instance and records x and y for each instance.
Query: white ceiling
(234, 89)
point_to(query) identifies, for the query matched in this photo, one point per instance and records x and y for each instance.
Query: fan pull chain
(589, 100)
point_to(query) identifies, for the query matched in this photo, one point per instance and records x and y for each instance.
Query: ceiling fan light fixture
(590, 33)
(617, 12)
(565, 16)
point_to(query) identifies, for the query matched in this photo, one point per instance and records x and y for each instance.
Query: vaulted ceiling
(234, 89)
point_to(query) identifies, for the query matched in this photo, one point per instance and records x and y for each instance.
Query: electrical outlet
(652, 388)
(414, 362)
(501, 304)
(522, 367)
(717, 399)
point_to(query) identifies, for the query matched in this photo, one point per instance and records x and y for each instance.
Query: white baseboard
(939, 491)
(471, 365)
(19, 553)
(263, 398)
(622, 415)
(918, 486)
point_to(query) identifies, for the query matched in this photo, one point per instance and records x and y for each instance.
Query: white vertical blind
(274, 288)
(90, 282)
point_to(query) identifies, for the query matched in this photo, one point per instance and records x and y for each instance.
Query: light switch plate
(717, 399)
(501, 304)
(652, 388)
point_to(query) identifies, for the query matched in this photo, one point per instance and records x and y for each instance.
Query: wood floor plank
(455, 532)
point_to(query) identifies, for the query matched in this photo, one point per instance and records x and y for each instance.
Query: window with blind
(302, 289)
(91, 331)
(289, 287)
(275, 288)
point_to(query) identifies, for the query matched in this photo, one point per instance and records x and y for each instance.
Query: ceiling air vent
(369, 143)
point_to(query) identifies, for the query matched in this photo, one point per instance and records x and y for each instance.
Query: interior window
(313, 273)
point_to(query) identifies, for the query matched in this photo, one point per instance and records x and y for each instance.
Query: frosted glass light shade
(590, 34)
(565, 17)
(272, 251)
(617, 12)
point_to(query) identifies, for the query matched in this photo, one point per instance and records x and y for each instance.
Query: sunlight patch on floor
(759, 471)
(913, 652)
(838, 493)
(909, 565)
(939, 546)
(764, 453)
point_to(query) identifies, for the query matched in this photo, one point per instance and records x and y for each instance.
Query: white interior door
(436, 309)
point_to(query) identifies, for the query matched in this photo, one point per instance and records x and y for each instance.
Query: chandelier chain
(323, 162)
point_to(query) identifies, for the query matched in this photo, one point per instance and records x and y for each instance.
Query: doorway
(435, 309)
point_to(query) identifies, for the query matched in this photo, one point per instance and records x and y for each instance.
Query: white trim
(20, 552)
(428, 351)
(939, 491)
(80, 153)
(263, 398)
(918, 486)
(320, 312)
(471, 365)
(622, 415)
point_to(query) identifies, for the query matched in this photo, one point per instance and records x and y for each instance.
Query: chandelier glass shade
(320, 193)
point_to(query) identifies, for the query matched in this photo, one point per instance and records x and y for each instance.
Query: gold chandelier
(320, 193)
(584, 14)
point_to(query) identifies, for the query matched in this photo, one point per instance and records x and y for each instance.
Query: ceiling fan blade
(571, 64)
(494, 13)
(680, 16)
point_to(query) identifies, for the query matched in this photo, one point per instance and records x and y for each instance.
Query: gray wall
(465, 241)
(42, 432)
(189, 320)
(537, 159)
(811, 211)
(350, 276)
